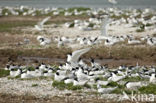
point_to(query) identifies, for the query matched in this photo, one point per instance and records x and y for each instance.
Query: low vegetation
(4, 73)
(9, 26)
(150, 89)
(61, 86)
(133, 79)
(34, 85)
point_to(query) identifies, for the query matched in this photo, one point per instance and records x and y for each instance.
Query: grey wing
(45, 20)
(76, 54)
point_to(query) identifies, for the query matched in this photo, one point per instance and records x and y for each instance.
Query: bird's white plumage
(76, 55)
(104, 26)
(44, 20)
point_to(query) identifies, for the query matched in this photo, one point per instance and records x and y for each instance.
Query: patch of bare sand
(116, 30)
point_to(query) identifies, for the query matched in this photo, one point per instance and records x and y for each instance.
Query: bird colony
(78, 73)
(104, 38)
(141, 21)
(75, 70)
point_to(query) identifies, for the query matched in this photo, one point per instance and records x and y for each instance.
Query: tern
(39, 26)
(74, 56)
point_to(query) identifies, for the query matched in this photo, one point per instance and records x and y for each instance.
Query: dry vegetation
(113, 56)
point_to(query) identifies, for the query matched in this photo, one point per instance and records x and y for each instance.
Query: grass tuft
(112, 84)
(34, 85)
(133, 79)
(61, 86)
(4, 73)
(150, 89)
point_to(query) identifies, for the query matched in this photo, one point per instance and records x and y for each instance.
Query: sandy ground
(17, 91)
(116, 30)
(44, 89)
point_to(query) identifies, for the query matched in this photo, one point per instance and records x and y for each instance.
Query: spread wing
(44, 20)
(76, 54)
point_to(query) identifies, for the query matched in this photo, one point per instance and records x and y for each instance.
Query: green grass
(34, 85)
(4, 73)
(31, 68)
(10, 25)
(112, 84)
(91, 25)
(120, 91)
(140, 30)
(17, 77)
(61, 86)
(133, 79)
(87, 86)
(94, 86)
(121, 88)
(71, 25)
(119, 17)
(78, 9)
(150, 89)
(148, 24)
(93, 93)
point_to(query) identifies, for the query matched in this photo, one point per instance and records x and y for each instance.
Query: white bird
(39, 26)
(116, 78)
(109, 42)
(80, 75)
(15, 73)
(133, 85)
(102, 82)
(48, 74)
(25, 75)
(42, 67)
(151, 42)
(152, 78)
(74, 57)
(9, 67)
(124, 96)
(43, 41)
(59, 77)
(113, 1)
(83, 41)
(132, 41)
(60, 43)
(104, 27)
(80, 82)
(105, 90)
(82, 63)
(67, 81)
(94, 64)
